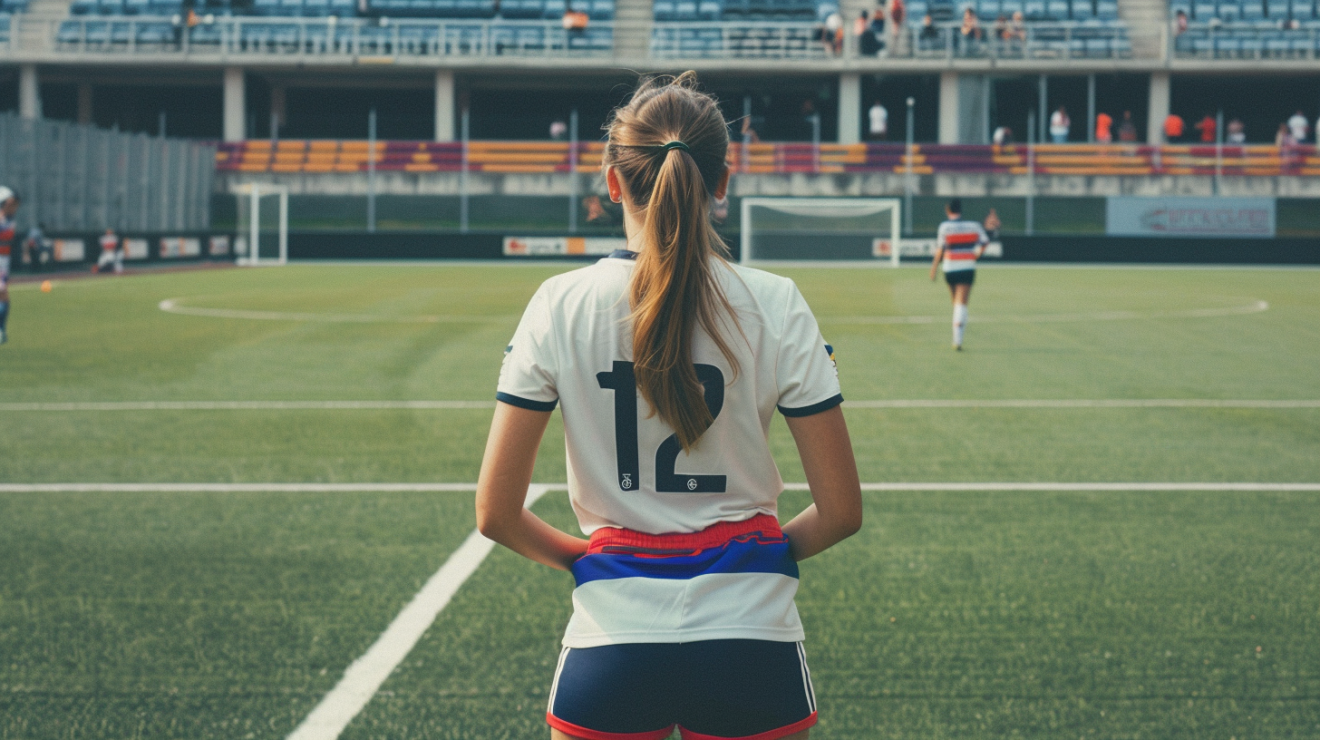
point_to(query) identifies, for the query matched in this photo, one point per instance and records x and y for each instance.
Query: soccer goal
(843, 230)
(263, 225)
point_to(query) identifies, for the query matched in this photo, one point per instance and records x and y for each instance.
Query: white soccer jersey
(959, 239)
(625, 468)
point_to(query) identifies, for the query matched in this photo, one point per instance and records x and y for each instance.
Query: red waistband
(713, 536)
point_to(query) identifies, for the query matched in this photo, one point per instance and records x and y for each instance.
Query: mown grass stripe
(987, 486)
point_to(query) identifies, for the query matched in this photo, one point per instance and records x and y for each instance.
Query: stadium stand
(1052, 29)
(384, 27)
(317, 157)
(9, 8)
(1246, 29)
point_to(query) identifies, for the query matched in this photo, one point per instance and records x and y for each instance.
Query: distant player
(9, 201)
(958, 244)
(112, 252)
(670, 363)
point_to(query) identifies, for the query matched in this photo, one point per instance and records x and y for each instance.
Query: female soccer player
(958, 244)
(669, 363)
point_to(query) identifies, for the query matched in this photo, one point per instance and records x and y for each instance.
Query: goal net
(821, 230)
(263, 225)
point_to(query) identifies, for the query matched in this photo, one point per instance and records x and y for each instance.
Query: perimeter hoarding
(1190, 217)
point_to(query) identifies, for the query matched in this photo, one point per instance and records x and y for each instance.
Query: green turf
(224, 615)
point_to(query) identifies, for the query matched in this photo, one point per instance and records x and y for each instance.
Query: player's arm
(939, 255)
(982, 242)
(836, 493)
(506, 471)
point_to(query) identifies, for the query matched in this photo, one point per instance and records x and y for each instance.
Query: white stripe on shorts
(554, 685)
(806, 678)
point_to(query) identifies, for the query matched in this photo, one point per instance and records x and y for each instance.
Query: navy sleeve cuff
(814, 408)
(526, 403)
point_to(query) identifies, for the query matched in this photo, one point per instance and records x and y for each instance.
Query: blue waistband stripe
(733, 557)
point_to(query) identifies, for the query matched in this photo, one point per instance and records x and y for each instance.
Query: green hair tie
(676, 145)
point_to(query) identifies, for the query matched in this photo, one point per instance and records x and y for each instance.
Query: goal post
(825, 230)
(263, 224)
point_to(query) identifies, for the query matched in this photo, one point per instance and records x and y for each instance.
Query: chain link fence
(73, 177)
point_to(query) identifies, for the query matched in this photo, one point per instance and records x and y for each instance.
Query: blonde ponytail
(669, 146)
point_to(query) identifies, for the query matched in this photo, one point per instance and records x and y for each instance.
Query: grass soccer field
(1083, 525)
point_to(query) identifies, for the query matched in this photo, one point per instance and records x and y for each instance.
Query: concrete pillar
(850, 108)
(29, 91)
(1158, 110)
(235, 105)
(444, 105)
(85, 103)
(949, 108)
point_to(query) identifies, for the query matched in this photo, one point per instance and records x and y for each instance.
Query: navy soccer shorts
(713, 689)
(960, 277)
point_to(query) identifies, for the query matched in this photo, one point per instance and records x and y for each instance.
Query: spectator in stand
(1003, 135)
(1180, 23)
(862, 29)
(929, 34)
(558, 131)
(1237, 132)
(1002, 34)
(832, 35)
(1127, 130)
(879, 120)
(1060, 125)
(1173, 127)
(991, 225)
(877, 28)
(575, 21)
(1207, 128)
(111, 254)
(971, 27)
(1317, 128)
(1104, 133)
(1284, 138)
(1297, 126)
(897, 15)
(1018, 27)
(749, 132)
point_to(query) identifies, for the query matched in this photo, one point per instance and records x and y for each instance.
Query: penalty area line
(364, 677)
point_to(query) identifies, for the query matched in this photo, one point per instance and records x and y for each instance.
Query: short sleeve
(807, 379)
(527, 377)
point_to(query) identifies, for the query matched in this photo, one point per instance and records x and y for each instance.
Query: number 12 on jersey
(623, 382)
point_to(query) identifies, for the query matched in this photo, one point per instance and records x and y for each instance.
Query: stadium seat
(1082, 10)
(987, 10)
(1229, 12)
(1034, 9)
(1106, 10)
(685, 10)
(916, 11)
(554, 9)
(1056, 10)
(82, 7)
(514, 9)
(291, 8)
(602, 10)
(1276, 10)
(110, 7)
(1253, 11)
(343, 8)
(663, 10)
(942, 10)
(265, 7)
(710, 10)
(1203, 11)
(155, 33)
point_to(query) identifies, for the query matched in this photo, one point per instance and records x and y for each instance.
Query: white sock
(959, 323)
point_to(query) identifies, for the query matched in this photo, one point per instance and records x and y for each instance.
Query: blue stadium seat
(916, 11)
(1253, 11)
(685, 10)
(1056, 9)
(942, 10)
(602, 10)
(1106, 10)
(1009, 7)
(1229, 12)
(521, 9)
(265, 7)
(343, 8)
(110, 7)
(316, 8)
(1303, 10)
(1176, 5)
(291, 8)
(554, 9)
(663, 10)
(710, 10)
(1276, 10)
(137, 7)
(70, 32)
(81, 7)
(1203, 11)
(1034, 9)
(155, 33)
(987, 10)
(1082, 10)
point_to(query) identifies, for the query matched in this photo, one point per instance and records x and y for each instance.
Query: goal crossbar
(825, 208)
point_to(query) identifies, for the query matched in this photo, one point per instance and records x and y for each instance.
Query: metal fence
(81, 177)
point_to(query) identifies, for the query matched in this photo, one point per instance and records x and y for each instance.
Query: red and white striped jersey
(959, 239)
(109, 242)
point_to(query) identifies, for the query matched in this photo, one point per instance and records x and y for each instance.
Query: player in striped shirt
(958, 244)
(668, 364)
(9, 201)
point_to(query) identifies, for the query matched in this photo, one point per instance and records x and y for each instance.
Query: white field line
(917, 403)
(366, 674)
(173, 305)
(986, 486)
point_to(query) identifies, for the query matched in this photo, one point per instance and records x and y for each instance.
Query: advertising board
(1190, 216)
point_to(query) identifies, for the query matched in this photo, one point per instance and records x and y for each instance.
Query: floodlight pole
(1219, 152)
(463, 173)
(1031, 172)
(907, 178)
(371, 171)
(815, 143)
(572, 172)
(254, 226)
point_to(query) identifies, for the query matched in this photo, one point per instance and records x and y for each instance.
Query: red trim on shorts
(571, 729)
(715, 535)
(775, 734)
